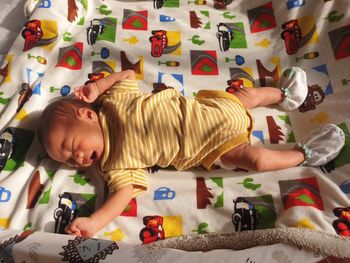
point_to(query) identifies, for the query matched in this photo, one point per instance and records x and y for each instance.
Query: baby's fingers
(71, 229)
(79, 93)
(86, 99)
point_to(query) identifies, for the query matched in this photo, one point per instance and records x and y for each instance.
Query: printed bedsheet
(186, 45)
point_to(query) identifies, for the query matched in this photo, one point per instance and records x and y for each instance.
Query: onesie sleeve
(118, 91)
(117, 179)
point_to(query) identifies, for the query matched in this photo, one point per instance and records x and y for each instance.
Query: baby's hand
(87, 93)
(81, 226)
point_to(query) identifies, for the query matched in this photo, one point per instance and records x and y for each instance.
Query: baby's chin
(89, 164)
(86, 165)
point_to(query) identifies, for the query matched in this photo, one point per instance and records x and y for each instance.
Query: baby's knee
(248, 157)
(242, 156)
(259, 164)
(255, 160)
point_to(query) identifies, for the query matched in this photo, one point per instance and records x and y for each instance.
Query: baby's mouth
(94, 156)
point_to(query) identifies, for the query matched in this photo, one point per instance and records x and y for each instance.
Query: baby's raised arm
(90, 92)
(112, 208)
(107, 82)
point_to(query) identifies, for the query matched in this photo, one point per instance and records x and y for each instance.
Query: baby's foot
(294, 87)
(322, 145)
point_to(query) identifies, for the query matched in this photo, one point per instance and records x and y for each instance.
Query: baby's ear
(86, 114)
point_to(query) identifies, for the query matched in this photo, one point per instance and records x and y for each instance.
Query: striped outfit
(142, 130)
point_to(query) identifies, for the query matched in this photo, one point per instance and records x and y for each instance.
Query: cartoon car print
(291, 35)
(328, 167)
(94, 77)
(154, 229)
(224, 35)
(234, 85)
(245, 216)
(315, 96)
(4, 72)
(342, 224)
(295, 3)
(158, 4)
(32, 33)
(96, 28)
(65, 213)
(7, 147)
(159, 41)
(24, 95)
(221, 4)
(159, 86)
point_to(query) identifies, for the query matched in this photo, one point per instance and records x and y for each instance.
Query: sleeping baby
(112, 124)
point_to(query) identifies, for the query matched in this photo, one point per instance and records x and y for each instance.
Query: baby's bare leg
(261, 159)
(258, 97)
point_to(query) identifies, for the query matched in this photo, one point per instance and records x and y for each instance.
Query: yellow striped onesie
(142, 130)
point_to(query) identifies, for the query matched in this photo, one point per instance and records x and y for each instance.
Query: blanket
(189, 46)
(27, 246)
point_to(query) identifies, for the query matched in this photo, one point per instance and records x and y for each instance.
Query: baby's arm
(112, 208)
(107, 82)
(90, 92)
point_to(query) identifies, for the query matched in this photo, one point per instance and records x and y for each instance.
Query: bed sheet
(13, 14)
(188, 45)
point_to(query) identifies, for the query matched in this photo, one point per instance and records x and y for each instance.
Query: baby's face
(77, 143)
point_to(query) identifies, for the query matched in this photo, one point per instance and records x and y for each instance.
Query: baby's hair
(60, 110)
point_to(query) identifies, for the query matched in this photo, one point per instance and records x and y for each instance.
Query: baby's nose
(79, 157)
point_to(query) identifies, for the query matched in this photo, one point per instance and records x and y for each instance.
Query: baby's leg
(261, 159)
(290, 93)
(259, 97)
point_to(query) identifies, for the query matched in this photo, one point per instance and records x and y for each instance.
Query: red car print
(221, 4)
(32, 33)
(234, 85)
(342, 224)
(159, 41)
(94, 77)
(154, 229)
(291, 35)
